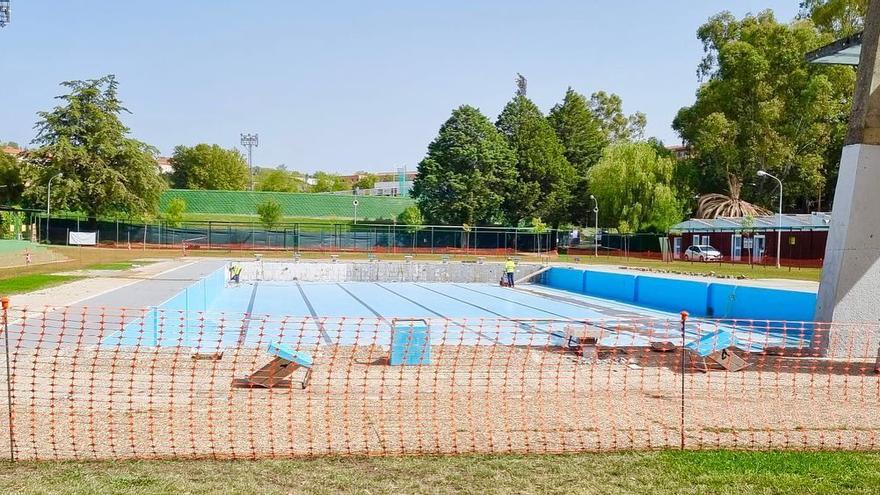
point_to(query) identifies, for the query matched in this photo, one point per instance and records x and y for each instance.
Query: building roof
(798, 221)
(12, 150)
(845, 51)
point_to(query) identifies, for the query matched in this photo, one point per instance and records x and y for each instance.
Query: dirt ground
(162, 403)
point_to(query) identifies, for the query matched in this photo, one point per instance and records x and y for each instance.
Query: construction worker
(510, 269)
(235, 273)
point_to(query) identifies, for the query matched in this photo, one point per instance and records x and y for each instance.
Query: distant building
(12, 150)
(164, 164)
(387, 183)
(803, 236)
(681, 152)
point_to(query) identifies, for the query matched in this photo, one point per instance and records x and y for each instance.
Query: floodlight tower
(5, 13)
(250, 141)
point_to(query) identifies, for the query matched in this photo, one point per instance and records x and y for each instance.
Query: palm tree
(716, 205)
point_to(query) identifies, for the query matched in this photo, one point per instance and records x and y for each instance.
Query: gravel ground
(161, 403)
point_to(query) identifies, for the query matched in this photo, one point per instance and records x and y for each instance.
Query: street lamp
(48, 197)
(596, 212)
(762, 173)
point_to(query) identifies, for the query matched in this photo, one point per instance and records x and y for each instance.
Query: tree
(175, 212)
(544, 179)
(277, 180)
(103, 170)
(466, 173)
(366, 181)
(270, 213)
(209, 166)
(763, 107)
(11, 184)
(635, 188)
(411, 217)
(11, 144)
(325, 182)
(608, 109)
(839, 17)
(583, 140)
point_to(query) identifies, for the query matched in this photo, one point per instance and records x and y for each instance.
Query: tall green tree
(583, 140)
(608, 109)
(763, 107)
(103, 170)
(467, 172)
(544, 176)
(839, 17)
(327, 182)
(11, 185)
(635, 188)
(209, 166)
(367, 181)
(277, 180)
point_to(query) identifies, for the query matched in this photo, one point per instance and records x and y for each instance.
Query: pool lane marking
(248, 315)
(533, 327)
(465, 328)
(324, 333)
(515, 302)
(356, 298)
(627, 313)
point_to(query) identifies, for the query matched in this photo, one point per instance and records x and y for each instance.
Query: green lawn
(31, 282)
(666, 472)
(119, 265)
(743, 270)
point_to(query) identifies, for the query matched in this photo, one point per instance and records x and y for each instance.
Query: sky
(347, 86)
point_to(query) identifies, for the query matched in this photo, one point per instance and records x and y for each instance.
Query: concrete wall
(379, 271)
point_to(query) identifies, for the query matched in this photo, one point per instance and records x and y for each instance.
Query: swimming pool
(215, 313)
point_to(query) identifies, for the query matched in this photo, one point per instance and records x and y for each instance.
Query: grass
(85, 258)
(223, 217)
(32, 282)
(118, 265)
(736, 270)
(664, 472)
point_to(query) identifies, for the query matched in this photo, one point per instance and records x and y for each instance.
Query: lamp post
(48, 198)
(249, 141)
(762, 173)
(596, 239)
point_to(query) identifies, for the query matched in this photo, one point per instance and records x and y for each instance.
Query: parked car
(702, 253)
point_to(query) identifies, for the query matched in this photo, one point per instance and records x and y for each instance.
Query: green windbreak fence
(302, 205)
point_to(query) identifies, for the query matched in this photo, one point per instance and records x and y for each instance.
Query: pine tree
(544, 176)
(467, 172)
(582, 137)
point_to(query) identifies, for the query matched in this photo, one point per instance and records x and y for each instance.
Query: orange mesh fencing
(95, 383)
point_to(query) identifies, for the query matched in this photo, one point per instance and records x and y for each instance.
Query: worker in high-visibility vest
(235, 273)
(510, 269)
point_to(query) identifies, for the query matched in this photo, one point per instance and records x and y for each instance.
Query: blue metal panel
(410, 344)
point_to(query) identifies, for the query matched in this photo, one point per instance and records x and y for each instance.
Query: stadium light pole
(48, 198)
(762, 173)
(596, 237)
(250, 141)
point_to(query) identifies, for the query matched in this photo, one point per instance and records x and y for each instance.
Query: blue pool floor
(361, 313)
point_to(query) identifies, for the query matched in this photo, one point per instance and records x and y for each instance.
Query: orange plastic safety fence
(111, 384)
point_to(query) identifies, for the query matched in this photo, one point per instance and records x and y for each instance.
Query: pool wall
(179, 317)
(378, 271)
(699, 298)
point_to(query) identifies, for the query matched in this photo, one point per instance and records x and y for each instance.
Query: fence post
(684, 317)
(5, 304)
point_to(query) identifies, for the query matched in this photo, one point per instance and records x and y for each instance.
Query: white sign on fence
(82, 238)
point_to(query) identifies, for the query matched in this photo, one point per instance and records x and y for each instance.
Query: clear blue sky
(345, 86)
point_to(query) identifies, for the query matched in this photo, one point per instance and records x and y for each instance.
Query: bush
(174, 214)
(270, 213)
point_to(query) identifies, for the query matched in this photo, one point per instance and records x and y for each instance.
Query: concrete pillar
(850, 287)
